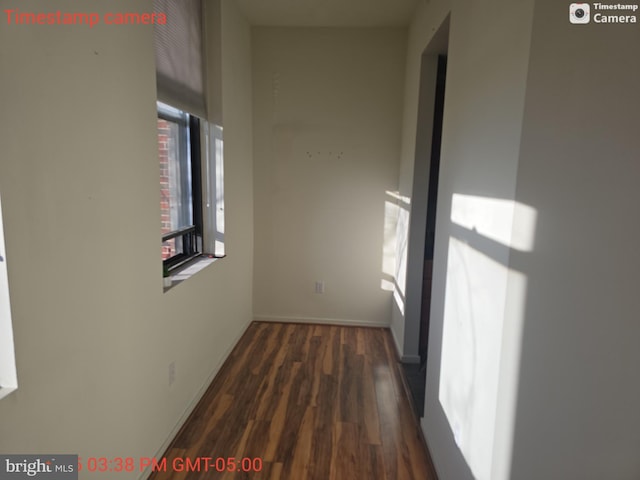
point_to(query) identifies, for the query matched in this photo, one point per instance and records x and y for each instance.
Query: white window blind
(180, 72)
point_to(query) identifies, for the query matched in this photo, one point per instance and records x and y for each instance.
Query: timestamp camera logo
(579, 13)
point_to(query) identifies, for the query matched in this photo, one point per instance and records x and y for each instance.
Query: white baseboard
(194, 402)
(319, 320)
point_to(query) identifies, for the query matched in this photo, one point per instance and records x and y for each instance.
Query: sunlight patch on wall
(479, 285)
(492, 218)
(471, 339)
(391, 209)
(398, 209)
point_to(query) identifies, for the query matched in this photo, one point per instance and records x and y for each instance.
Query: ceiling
(329, 13)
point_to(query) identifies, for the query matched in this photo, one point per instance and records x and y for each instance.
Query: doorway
(432, 202)
(433, 75)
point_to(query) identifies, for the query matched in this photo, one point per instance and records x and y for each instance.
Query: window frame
(190, 161)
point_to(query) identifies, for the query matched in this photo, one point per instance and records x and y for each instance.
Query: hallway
(304, 402)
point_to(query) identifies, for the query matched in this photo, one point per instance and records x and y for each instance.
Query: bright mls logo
(51, 467)
(579, 13)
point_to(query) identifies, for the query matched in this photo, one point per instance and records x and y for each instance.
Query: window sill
(189, 269)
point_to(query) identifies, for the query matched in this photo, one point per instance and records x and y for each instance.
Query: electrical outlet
(320, 286)
(172, 373)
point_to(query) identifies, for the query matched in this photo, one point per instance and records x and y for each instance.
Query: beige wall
(534, 128)
(327, 134)
(79, 181)
(579, 389)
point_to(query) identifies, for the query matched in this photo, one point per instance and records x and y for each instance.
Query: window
(179, 152)
(190, 148)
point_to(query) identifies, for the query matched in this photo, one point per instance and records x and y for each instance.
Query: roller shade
(179, 55)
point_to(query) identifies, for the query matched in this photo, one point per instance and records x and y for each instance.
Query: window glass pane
(175, 176)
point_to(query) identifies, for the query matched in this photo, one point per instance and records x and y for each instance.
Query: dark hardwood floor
(310, 402)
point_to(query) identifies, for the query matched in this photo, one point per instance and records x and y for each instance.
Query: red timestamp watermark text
(14, 16)
(172, 464)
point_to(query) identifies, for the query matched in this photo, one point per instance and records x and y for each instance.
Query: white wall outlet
(319, 286)
(172, 373)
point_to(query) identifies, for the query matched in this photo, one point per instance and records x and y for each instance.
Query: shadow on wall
(483, 315)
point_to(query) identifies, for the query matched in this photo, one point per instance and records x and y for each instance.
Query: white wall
(579, 387)
(327, 135)
(79, 176)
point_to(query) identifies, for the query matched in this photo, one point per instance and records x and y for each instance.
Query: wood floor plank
(370, 406)
(322, 443)
(351, 385)
(301, 459)
(240, 450)
(291, 428)
(376, 462)
(279, 419)
(317, 359)
(346, 462)
(311, 402)
(360, 349)
(273, 378)
(276, 471)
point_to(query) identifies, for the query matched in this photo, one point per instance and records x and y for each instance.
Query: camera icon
(579, 13)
